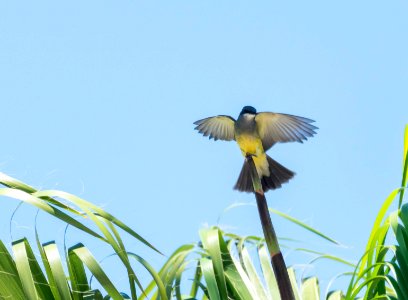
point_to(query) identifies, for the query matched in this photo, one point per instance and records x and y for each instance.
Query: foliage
(29, 279)
(222, 265)
(233, 267)
(382, 270)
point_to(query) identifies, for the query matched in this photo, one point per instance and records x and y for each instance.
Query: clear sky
(98, 99)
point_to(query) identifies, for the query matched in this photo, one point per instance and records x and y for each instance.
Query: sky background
(98, 99)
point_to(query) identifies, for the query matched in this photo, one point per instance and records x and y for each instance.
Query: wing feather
(217, 128)
(281, 128)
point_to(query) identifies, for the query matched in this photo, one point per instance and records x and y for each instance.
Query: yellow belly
(250, 144)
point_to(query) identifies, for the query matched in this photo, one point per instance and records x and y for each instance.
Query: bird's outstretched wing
(281, 128)
(218, 128)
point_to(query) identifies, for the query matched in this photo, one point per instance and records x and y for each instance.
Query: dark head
(248, 110)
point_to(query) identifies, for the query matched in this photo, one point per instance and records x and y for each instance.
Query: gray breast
(245, 124)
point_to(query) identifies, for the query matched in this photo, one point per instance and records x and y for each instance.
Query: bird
(255, 133)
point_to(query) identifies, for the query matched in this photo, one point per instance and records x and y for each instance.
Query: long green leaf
(88, 206)
(10, 284)
(57, 271)
(303, 225)
(337, 295)
(238, 280)
(156, 277)
(374, 231)
(212, 244)
(326, 256)
(167, 272)
(17, 184)
(23, 267)
(82, 253)
(47, 267)
(267, 270)
(251, 271)
(32, 278)
(77, 275)
(310, 289)
(404, 167)
(44, 206)
(196, 281)
(287, 217)
(292, 277)
(209, 276)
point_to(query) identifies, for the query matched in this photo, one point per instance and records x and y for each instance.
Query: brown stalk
(277, 261)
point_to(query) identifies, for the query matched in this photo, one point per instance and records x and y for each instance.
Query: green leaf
(32, 278)
(10, 284)
(77, 275)
(326, 256)
(44, 206)
(303, 225)
(267, 271)
(252, 274)
(196, 280)
(337, 295)
(155, 275)
(169, 270)
(92, 209)
(372, 240)
(292, 277)
(57, 271)
(404, 167)
(212, 244)
(82, 254)
(310, 289)
(241, 285)
(209, 276)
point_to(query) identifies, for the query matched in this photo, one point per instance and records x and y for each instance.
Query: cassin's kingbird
(256, 133)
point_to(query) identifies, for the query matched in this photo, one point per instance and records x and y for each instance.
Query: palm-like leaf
(382, 269)
(228, 266)
(222, 265)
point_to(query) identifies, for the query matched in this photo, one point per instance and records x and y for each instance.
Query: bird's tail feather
(278, 175)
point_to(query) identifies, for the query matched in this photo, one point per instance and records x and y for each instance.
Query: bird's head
(248, 110)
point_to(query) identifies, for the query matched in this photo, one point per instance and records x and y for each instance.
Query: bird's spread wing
(218, 128)
(274, 128)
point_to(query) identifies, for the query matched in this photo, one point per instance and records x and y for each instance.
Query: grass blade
(337, 295)
(156, 277)
(252, 274)
(210, 279)
(44, 206)
(83, 254)
(310, 289)
(303, 225)
(238, 280)
(95, 210)
(77, 275)
(24, 270)
(10, 284)
(57, 271)
(404, 167)
(212, 244)
(267, 271)
(366, 261)
(292, 277)
(32, 278)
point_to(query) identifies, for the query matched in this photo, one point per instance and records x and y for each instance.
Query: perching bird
(256, 133)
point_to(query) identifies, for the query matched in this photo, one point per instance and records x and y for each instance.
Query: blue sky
(98, 99)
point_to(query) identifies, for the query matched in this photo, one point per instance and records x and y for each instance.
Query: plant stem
(277, 261)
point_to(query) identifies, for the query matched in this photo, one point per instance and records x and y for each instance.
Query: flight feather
(281, 128)
(218, 127)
